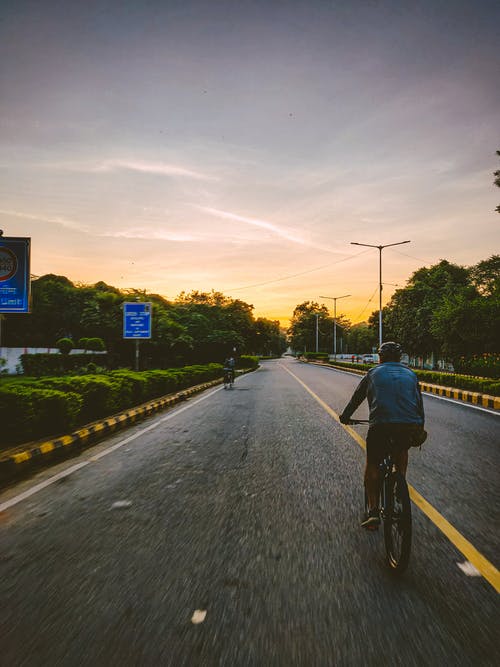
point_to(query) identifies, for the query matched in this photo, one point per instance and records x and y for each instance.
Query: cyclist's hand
(344, 419)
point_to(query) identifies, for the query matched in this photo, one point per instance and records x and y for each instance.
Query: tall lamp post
(380, 248)
(334, 299)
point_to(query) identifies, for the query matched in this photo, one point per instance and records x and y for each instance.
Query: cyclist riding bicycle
(396, 414)
(229, 365)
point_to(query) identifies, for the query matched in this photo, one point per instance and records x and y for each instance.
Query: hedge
(317, 355)
(28, 413)
(33, 408)
(455, 380)
(39, 365)
(247, 361)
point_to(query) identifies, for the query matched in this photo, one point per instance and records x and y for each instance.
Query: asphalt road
(245, 504)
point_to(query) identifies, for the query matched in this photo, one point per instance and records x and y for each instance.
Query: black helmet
(390, 351)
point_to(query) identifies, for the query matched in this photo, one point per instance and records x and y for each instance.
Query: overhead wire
(302, 273)
(367, 303)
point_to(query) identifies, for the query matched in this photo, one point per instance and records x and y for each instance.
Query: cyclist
(396, 413)
(229, 365)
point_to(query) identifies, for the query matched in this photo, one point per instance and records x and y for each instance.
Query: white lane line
(462, 403)
(42, 485)
(69, 471)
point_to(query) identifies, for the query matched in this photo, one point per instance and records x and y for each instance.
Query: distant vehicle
(370, 358)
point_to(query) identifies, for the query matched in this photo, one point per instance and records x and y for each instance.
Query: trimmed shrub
(102, 395)
(95, 345)
(65, 345)
(247, 361)
(29, 413)
(319, 356)
(83, 343)
(38, 365)
(456, 381)
(32, 408)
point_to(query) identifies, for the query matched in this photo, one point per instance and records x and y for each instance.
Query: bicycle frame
(395, 511)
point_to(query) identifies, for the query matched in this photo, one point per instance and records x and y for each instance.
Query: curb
(17, 461)
(476, 398)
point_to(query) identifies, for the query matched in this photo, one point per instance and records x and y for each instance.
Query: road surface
(226, 532)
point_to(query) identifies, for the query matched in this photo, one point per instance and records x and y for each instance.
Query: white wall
(12, 355)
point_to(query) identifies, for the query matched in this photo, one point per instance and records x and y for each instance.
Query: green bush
(65, 345)
(29, 413)
(95, 344)
(454, 380)
(32, 408)
(247, 361)
(483, 365)
(83, 343)
(320, 356)
(102, 395)
(38, 365)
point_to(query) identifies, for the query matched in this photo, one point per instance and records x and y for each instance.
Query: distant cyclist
(396, 413)
(229, 364)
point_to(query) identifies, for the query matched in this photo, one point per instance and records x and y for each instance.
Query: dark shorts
(382, 438)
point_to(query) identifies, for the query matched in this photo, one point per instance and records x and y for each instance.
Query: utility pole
(380, 248)
(334, 298)
(317, 332)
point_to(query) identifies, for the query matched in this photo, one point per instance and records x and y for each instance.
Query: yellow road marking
(482, 564)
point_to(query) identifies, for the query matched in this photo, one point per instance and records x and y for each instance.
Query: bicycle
(228, 378)
(395, 511)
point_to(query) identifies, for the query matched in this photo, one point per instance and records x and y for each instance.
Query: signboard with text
(14, 274)
(137, 319)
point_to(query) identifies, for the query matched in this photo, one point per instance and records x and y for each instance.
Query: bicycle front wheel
(397, 522)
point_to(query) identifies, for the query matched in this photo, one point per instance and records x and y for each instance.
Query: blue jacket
(393, 395)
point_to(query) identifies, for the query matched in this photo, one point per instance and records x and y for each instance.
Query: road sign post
(137, 316)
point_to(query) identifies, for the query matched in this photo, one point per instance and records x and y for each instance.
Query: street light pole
(334, 299)
(380, 248)
(317, 336)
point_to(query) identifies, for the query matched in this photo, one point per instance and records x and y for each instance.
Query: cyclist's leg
(375, 442)
(400, 458)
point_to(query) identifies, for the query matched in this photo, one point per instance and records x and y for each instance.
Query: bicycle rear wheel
(397, 522)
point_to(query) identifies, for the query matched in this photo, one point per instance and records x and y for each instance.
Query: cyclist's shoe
(372, 520)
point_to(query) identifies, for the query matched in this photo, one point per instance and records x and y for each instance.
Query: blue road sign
(14, 274)
(137, 319)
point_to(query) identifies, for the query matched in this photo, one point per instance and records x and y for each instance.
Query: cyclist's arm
(420, 404)
(357, 398)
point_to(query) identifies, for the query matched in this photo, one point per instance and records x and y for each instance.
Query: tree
(268, 339)
(362, 337)
(302, 330)
(468, 320)
(485, 275)
(409, 315)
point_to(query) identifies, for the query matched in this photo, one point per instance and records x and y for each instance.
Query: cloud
(55, 220)
(151, 235)
(264, 224)
(158, 168)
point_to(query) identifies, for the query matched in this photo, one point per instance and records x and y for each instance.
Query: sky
(241, 146)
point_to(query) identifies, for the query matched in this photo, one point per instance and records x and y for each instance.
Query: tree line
(197, 327)
(444, 311)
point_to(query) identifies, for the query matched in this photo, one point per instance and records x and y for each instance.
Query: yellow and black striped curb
(474, 397)
(16, 460)
(463, 395)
